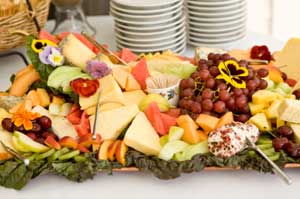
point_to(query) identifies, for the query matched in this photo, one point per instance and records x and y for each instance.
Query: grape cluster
(284, 141)
(41, 128)
(203, 93)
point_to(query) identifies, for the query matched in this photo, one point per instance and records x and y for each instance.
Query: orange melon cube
(227, 118)
(207, 123)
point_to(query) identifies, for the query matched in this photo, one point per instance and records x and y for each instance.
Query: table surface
(206, 184)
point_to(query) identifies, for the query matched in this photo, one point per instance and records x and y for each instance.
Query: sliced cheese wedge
(111, 123)
(134, 97)
(110, 91)
(142, 137)
(120, 76)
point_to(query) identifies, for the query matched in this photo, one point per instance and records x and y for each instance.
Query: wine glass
(71, 18)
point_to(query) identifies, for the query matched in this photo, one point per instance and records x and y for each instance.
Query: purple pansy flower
(97, 69)
(51, 56)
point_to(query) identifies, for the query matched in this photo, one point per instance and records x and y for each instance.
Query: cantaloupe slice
(190, 135)
(43, 96)
(34, 97)
(132, 84)
(120, 76)
(227, 118)
(207, 123)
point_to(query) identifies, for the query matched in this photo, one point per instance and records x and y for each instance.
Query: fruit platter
(79, 109)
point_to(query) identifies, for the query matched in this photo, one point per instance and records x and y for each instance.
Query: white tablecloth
(207, 184)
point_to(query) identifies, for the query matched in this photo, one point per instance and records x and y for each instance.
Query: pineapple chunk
(257, 108)
(272, 111)
(279, 123)
(264, 97)
(261, 122)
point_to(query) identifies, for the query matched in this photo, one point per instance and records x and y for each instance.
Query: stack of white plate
(145, 26)
(216, 22)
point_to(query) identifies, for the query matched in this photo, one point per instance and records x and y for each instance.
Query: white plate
(216, 20)
(217, 14)
(221, 45)
(148, 23)
(212, 3)
(152, 44)
(216, 41)
(151, 28)
(217, 35)
(149, 34)
(219, 29)
(138, 18)
(143, 49)
(145, 12)
(145, 40)
(216, 8)
(219, 24)
(149, 4)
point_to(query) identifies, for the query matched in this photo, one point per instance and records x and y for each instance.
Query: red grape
(225, 57)
(243, 63)
(207, 94)
(185, 103)
(45, 122)
(222, 86)
(204, 74)
(250, 75)
(219, 107)
(292, 149)
(36, 128)
(263, 84)
(241, 101)
(297, 94)
(237, 92)
(188, 92)
(210, 83)
(31, 135)
(251, 85)
(217, 57)
(196, 107)
(20, 128)
(224, 95)
(207, 105)
(242, 118)
(263, 72)
(230, 104)
(195, 75)
(210, 56)
(190, 83)
(279, 143)
(7, 124)
(245, 91)
(245, 109)
(284, 76)
(210, 63)
(198, 98)
(214, 71)
(285, 131)
(202, 61)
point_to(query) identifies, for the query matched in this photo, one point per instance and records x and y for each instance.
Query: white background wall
(279, 18)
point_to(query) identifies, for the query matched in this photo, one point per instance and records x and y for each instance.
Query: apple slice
(112, 149)
(102, 154)
(175, 133)
(17, 146)
(121, 151)
(29, 144)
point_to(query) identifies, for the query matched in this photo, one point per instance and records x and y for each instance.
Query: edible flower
(84, 87)
(231, 73)
(51, 56)
(97, 69)
(261, 52)
(24, 117)
(38, 45)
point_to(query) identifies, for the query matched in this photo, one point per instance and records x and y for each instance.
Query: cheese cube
(289, 110)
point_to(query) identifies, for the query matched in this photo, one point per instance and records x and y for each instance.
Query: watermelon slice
(140, 72)
(75, 114)
(154, 116)
(62, 35)
(43, 34)
(127, 55)
(83, 127)
(168, 121)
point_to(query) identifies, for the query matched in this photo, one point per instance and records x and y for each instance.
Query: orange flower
(24, 117)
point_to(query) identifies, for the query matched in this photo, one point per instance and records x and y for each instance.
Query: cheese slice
(6, 138)
(289, 110)
(75, 52)
(134, 97)
(296, 130)
(110, 91)
(142, 137)
(289, 57)
(120, 76)
(111, 123)
(132, 84)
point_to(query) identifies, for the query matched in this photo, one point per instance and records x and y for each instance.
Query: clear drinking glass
(70, 17)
